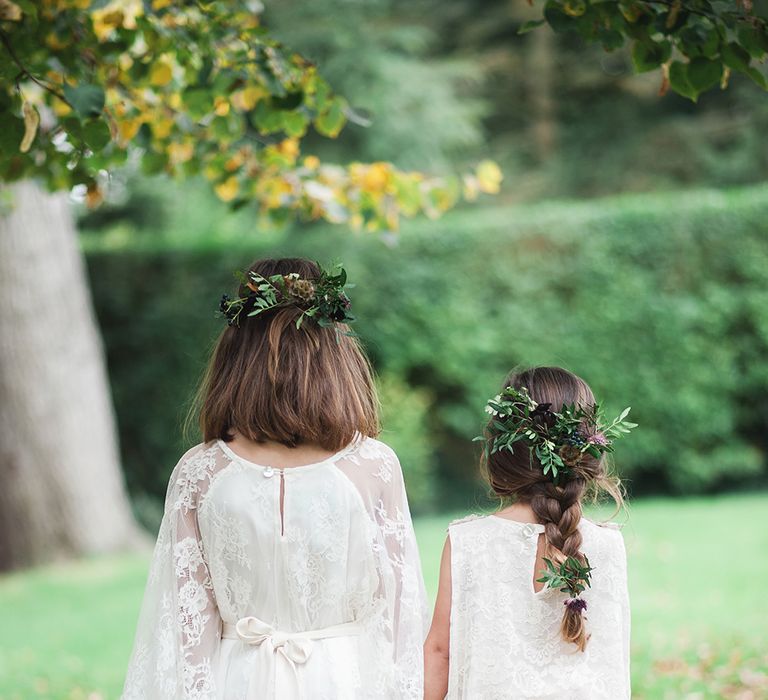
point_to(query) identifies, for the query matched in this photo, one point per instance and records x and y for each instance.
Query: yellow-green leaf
(575, 8)
(31, 122)
(331, 121)
(226, 191)
(9, 11)
(160, 74)
(489, 177)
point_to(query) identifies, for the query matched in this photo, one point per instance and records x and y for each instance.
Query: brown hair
(269, 380)
(519, 476)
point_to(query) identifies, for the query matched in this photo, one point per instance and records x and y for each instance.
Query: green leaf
(735, 57)
(702, 74)
(205, 70)
(753, 40)
(556, 17)
(153, 163)
(330, 122)
(96, 134)
(8, 71)
(86, 100)
(611, 39)
(624, 413)
(530, 25)
(647, 56)
(757, 77)
(295, 123)
(678, 80)
(11, 133)
(266, 119)
(198, 101)
(73, 126)
(671, 21)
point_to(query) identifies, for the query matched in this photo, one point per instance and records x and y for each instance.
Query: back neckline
(531, 527)
(229, 452)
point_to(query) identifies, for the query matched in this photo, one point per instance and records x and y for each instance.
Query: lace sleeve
(376, 473)
(409, 614)
(179, 625)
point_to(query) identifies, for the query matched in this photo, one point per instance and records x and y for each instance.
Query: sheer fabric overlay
(341, 550)
(505, 636)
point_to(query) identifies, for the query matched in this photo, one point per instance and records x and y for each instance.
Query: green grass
(697, 574)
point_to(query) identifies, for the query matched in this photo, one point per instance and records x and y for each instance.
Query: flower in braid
(554, 487)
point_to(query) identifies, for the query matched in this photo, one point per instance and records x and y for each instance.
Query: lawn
(698, 569)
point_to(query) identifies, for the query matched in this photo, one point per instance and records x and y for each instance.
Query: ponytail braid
(559, 509)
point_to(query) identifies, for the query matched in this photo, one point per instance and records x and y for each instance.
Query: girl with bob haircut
(532, 601)
(286, 565)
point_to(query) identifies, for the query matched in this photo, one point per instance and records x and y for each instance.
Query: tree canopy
(203, 87)
(197, 87)
(696, 43)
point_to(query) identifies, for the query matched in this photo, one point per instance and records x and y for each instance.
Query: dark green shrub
(658, 301)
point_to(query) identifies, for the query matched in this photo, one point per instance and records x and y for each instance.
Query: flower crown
(322, 299)
(557, 439)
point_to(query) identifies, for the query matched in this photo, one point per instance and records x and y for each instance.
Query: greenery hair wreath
(322, 299)
(558, 439)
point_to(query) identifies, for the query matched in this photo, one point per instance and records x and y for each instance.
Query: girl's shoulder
(606, 528)
(370, 455)
(603, 536)
(475, 524)
(607, 524)
(192, 476)
(202, 453)
(472, 517)
(372, 448)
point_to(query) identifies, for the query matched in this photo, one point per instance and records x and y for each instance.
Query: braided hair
(557, 505)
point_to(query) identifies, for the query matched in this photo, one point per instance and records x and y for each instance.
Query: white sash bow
(293, 648)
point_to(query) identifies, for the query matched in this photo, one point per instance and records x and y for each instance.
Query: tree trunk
(61, 488)
(541, 76)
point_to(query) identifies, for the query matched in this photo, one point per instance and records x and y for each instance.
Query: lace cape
(347, 548)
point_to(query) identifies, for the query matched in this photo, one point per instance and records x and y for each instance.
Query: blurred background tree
(199, 88)
(628, 244)
(599, 286)
(443, 88)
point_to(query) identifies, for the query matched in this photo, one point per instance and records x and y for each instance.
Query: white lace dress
(322, 599)
(505, 639)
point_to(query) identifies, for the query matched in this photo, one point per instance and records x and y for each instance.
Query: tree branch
(23, 70)
(743, 16)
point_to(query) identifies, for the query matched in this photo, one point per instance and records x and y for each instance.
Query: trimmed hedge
(659, 301)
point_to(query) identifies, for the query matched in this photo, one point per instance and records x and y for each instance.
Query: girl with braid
(532, 601)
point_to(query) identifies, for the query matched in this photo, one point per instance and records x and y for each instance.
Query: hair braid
(559, 509)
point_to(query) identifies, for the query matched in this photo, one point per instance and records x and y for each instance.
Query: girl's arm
(408, 597)
(179, 628)
(438, 640)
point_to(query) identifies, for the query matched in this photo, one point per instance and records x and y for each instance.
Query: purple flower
(579, 605)
(598, 439)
